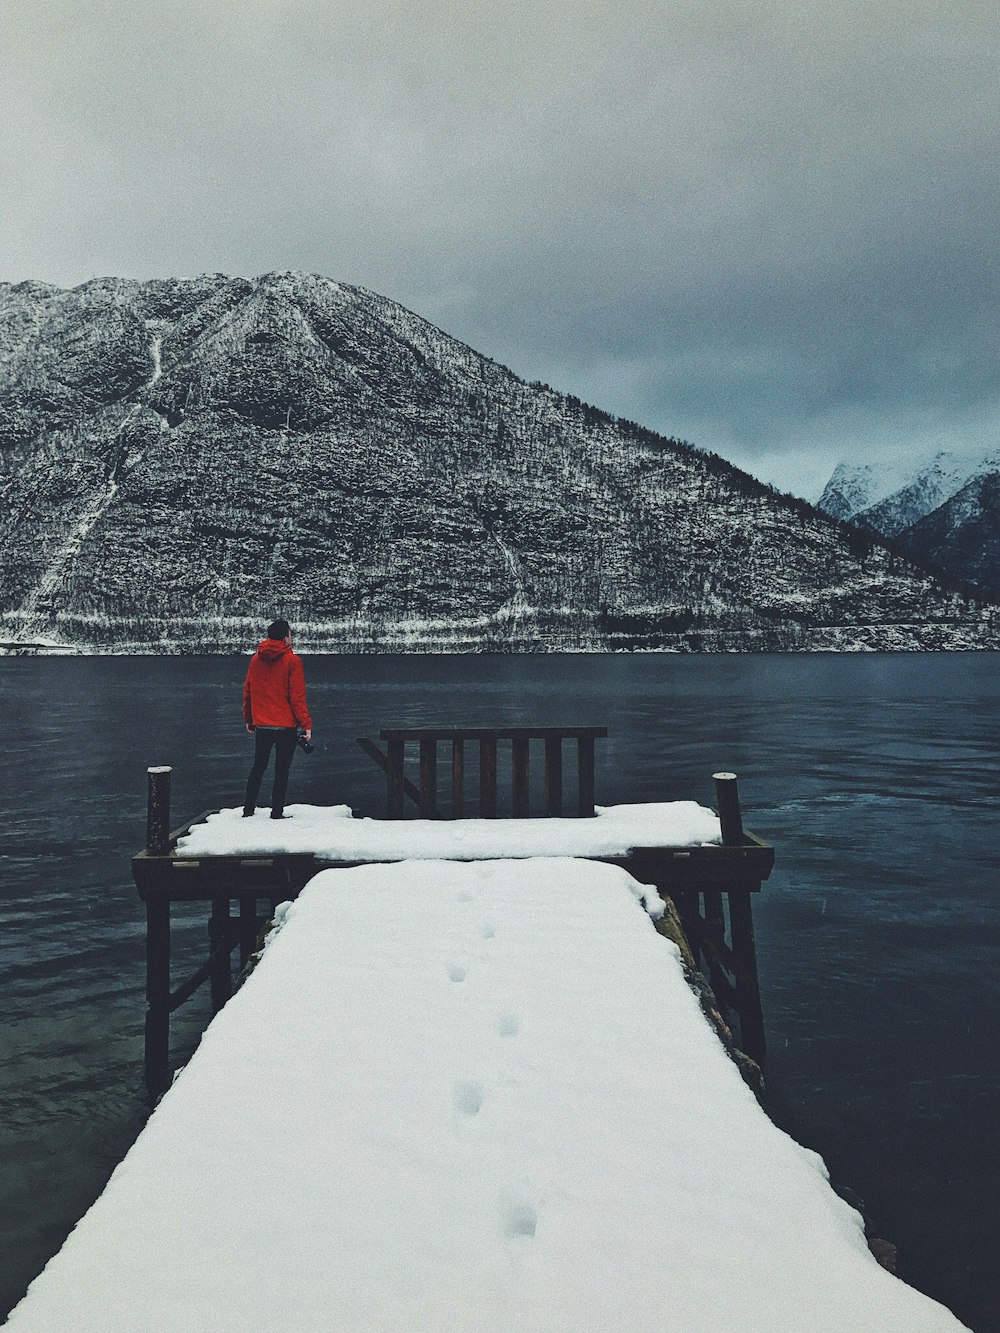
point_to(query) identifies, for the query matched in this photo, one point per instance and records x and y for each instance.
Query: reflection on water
(875, 776)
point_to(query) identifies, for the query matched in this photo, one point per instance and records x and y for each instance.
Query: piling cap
(162, 768)
(724, 777)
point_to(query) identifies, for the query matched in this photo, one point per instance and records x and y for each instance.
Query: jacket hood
(272, 649)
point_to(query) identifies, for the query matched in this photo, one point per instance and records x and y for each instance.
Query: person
(275, 712)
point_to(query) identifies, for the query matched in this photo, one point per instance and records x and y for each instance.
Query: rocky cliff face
(181, 460)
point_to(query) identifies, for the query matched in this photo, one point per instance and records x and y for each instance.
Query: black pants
(282, 740)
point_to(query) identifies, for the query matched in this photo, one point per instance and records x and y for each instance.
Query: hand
(308, 733)
(251, 728)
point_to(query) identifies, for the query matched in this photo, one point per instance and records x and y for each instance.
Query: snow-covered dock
(329, 833)
(686, 850)
(471, 1097)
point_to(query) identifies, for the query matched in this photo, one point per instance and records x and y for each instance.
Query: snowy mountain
(963, 535)
(851, 488)
(962, 539)
(940, 479)
(180, 460)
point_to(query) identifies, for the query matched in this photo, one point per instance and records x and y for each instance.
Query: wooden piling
(748, 986)
(158, 810)
(730, 818)
(157, 995)
(221, 978)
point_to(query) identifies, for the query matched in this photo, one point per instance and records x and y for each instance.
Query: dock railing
(711, 885)
(487, 741)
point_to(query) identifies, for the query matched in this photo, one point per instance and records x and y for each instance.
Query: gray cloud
(768, 228)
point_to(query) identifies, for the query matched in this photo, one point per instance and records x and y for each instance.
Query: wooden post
(729, 809)
(457, 779)
(488, 777)
(747, 989)
(394, 778)
(248, 926)
(218, 941)
(585, 774)
(158, 811)
(520, 777)
(553, 775)
(157, 995)
(428, 779)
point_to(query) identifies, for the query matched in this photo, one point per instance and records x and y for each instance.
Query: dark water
(875, 776)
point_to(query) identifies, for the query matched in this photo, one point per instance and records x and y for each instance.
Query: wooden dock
(711, 886)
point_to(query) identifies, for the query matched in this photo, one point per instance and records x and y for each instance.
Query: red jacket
(274, 692)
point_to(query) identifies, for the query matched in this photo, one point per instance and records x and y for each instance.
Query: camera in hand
(305, 746)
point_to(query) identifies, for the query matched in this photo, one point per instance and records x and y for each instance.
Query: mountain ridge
(180, 458)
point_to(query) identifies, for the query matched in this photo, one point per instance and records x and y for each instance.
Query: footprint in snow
(468, 1098)
(455, 972)
(508, 1025)
(519, 1219)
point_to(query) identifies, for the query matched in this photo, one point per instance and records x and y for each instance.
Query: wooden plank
(520, 777)
(585, 776)
(553, 775)
(395, 779)
(457, 779)
(373, 752)
(428, 779)
(157, 1043)
(488, 777)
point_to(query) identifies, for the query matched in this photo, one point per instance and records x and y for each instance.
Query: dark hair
(278, 629)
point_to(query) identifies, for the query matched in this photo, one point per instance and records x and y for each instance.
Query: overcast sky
(769, 228)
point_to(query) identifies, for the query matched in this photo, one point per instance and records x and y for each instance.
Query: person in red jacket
(275, 712)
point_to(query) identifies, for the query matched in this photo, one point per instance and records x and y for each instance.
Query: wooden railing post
(158, 811)
(730, 818)
(457, 779)
(520, 781)
(488, 777)
(585, 775)
(428, 779)
(553, 775)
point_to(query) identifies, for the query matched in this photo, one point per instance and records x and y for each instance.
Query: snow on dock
(468, 1097)
(330, 833)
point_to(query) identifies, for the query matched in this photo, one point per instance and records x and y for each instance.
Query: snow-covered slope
(944, 515)
(963, 535)
(470, 1098)
(180, 460)
(933, 484)
(851, 488)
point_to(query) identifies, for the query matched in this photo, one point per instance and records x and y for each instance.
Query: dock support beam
(741, 925)
(157, 995)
